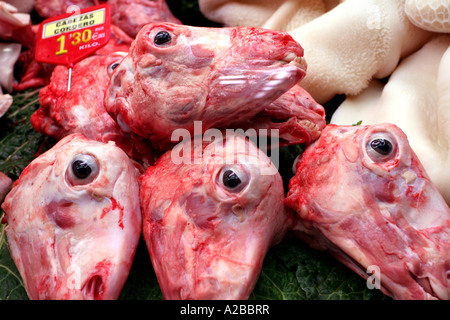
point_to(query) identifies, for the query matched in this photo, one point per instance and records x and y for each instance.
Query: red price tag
(68, 38)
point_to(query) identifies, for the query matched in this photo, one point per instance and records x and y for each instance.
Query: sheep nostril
(93, 289)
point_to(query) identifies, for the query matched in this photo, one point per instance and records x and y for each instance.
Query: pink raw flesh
(81, 110)
(207, 238)
(74, 237)
(5, 185)
(173, 77)
(361, 192)
(132, 15)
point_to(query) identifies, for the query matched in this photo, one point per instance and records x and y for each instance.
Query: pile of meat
(164, 133)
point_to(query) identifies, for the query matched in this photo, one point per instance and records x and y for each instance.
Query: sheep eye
(382, 146)
(83, 169)
(231, 179)
(112, 67)
(162, 37)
